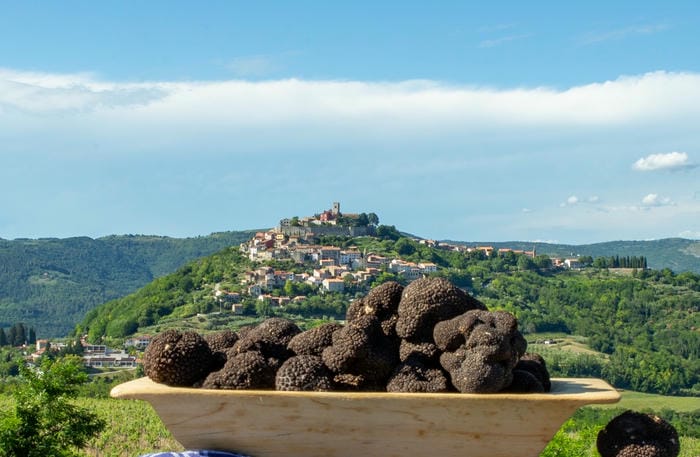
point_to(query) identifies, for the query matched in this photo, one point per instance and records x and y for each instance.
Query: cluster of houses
(335, 268)
(99, 355)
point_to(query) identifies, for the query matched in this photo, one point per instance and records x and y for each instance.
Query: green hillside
(51, 283)
(646, 324)
(678, 254)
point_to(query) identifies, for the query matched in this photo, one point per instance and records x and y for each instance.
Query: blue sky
(487, 121)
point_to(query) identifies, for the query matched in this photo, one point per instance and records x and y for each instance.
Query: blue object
(201, 453)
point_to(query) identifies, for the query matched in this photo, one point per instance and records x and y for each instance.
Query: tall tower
(336, 208)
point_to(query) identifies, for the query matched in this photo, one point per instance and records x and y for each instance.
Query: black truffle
(525, 382)
(414, 376)
(427, 352)
(381, 302)
(472, 372)
(638, 432)
(481, 349)
(361, 349)
(536, 366)
(219, 343)
(315, 340)
(178, 358)
(494, 332)
(248, 370)
(427, 301)
(270, 338)
(304, 373)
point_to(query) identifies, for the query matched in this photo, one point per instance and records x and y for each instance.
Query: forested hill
(645, 322)
(678, 254)
(51, 283)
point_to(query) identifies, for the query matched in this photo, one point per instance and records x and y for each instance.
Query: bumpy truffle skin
(535, 365)
(641, 450)
(270, 338)
(249, 370)
(381, 302)
(638, 432)
(497, 330)
(361, 349)
(481, 350)
(304, 373)
(471, 372)
(414, 376)
(425, 352)
(427, 301)
(315, 340)
(221, 341)
(177, 358)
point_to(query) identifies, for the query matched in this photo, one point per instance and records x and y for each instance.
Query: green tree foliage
(3, 338)
(388, 232)
(44, 422)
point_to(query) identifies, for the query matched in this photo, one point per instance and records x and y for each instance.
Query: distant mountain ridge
(677, 254)
(51, 283)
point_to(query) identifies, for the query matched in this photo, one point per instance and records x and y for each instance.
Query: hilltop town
(331, 269)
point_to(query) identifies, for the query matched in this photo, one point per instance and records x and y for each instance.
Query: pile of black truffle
(430, 336)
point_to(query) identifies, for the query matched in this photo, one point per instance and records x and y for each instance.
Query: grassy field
(544, 342)
(639, 401)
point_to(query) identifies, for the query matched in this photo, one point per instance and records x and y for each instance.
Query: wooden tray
(309, 424)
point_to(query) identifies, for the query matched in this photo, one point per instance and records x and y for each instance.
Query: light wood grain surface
(289, 424)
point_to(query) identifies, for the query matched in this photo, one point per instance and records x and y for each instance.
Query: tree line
(17, 335)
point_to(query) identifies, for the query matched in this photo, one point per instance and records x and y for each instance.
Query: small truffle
(178, 358)
(525, 382)
(249, 370)
(414, 376)
(381, 302)
(315, 340)
(427, 301)
(270, 338)
(471, 372)
(219, 343)
(638, 432)
(304, 373)
(535, 365)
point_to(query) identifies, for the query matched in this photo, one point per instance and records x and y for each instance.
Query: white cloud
(663, 161)
(656, 200)
(72, 110)
(575, 200)
(628, 100)
(526, 210)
